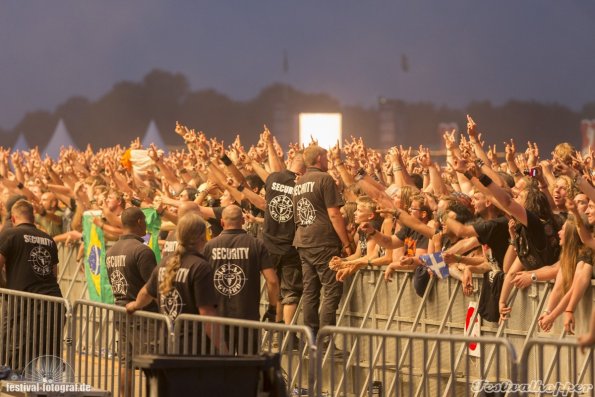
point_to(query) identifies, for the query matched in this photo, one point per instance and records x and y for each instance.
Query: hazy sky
(458, 50)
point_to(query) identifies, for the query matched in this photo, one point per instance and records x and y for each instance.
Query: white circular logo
(119, 284)
(306, 212)
(281, 208)
(48, 369)
(41, 260)
(171, 304)
(229, 279)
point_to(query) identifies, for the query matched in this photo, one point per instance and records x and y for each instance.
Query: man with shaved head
(49, 216)
(29, 260)
(320, 234)
(129, 265)
(238, 260)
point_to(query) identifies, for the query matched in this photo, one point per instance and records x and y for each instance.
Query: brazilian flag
(152, 237)
(100, 289)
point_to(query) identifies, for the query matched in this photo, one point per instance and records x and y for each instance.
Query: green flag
(152, 237)
(100, 289)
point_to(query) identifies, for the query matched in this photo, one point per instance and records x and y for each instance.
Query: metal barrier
(295, 344)
(32, 325)
(71, 276)
(557, 367)
(106, 340)
(394, 376)
(89, 336)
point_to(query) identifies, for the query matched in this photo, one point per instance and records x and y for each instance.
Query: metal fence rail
(295, 344)
(549, 366)
(71, 276)
(89, 338)
(106, 340)
(32, 325)
(390, 376)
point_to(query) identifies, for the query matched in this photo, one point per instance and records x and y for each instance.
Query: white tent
(60, 138)
(153, 136)
(21, 143)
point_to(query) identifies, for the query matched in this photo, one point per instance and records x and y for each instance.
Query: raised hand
(510, 150)
(449, 140)
(493, 154)
(471, 128)
(335, 152)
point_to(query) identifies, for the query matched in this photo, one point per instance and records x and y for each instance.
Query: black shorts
(289, 271)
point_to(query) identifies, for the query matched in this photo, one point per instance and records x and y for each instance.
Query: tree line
(125, 111)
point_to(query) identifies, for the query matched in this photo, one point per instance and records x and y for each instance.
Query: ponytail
(171, 269)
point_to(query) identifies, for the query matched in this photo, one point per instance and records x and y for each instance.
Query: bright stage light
(324, 127)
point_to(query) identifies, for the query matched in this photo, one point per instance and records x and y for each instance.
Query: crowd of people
(306, 219)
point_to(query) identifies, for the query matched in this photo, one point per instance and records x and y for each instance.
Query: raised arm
(275, 162)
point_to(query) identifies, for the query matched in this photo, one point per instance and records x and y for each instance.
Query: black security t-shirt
(192, 286)
(412, 240)
(279, 227)
(237, 260)
(129, 265)
(312, 196)
(31, 255)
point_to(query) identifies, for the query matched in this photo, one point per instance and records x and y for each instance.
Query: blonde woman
(573, 257)
(183, 281)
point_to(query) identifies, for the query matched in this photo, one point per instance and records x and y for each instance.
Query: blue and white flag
(435, 262)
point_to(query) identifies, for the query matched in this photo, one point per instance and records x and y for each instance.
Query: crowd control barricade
(31, 326)
(71, 276)
(406, 365)
(557, 366)
(106, 341)
(294, 344)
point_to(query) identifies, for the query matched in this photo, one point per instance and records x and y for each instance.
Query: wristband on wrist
(397, 214)
(569, 311)
(468, 175)
(226, 160)
(240, 187)
(20, 185)
(479, 163)
(485, 180)
(339, 163)
(397, 168)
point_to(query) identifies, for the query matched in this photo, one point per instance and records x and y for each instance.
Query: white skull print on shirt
(281, 208)
(41, 261)
(306, 212)
(171, 303)
(229, 279)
